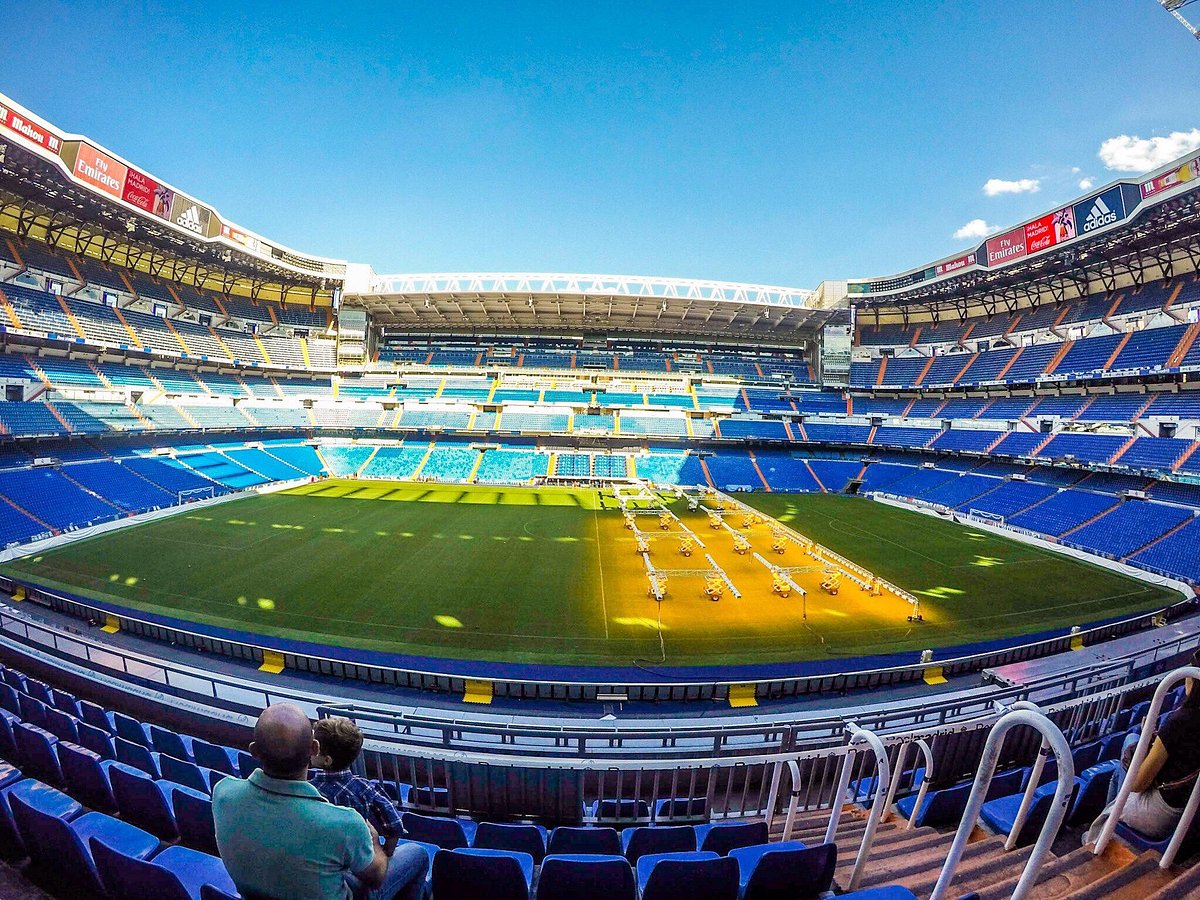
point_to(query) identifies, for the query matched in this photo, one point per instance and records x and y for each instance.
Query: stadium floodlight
(1175, 7)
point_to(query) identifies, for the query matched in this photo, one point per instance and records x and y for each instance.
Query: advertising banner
(230, 233)
(1186, 172)
(147, 194)
(13, 123)
(1006, 247)
(99, 170)
(954, 265)
(1100, 211)
(187, 213)
(1049, 230)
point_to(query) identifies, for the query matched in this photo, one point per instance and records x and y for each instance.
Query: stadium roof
(69, 191)
(530, 302)
(1122, 234)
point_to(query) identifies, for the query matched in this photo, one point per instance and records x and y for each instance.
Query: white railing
(1030, 716)
(883, 790)
(927, 753)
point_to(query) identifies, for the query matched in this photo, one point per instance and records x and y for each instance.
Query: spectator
(278, 836)
(1160, 788)
(341, 742)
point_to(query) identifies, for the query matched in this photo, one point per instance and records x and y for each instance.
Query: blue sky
(767, 142)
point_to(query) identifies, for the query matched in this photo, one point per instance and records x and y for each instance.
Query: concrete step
(1060, 875)
(1135, 881)
(982, 863)
(1184, 886)
(885, 858)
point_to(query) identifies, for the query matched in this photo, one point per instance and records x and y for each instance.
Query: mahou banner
(35, 134)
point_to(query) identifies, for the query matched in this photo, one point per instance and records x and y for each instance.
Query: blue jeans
(405, 878)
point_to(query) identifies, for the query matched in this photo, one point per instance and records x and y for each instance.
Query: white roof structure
(540, 301)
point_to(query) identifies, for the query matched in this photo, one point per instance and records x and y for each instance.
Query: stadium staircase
(1185, 456)
(1112, 460)
(1185, 344)
(1058, 356)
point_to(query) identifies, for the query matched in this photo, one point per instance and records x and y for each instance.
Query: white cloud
(1127, 153)
(1074, 170)
(1086, 184)
(995, 186)
(974, 230)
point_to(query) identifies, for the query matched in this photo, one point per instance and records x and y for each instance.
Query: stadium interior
(163, 364)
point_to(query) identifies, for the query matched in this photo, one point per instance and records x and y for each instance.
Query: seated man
(341, 742)
(277, 835)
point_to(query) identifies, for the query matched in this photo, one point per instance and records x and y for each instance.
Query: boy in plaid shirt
(341, 742)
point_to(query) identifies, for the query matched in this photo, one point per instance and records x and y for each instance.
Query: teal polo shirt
(283, 839)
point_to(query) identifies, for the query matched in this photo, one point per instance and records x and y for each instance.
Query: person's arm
(1147, 773)
(372, 876)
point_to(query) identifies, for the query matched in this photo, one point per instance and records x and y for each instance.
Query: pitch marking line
(600, 561)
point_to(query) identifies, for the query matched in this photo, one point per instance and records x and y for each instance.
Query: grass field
(551, 575)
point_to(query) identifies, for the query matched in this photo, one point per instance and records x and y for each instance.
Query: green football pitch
(550, 575)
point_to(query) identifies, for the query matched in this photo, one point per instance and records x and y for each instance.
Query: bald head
(283, 741)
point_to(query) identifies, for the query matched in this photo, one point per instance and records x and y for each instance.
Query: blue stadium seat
(10, 774)
(724, 837)
(143, 801)
(458, 874)
(61, 850)
(695, 875)
(1092, 795)
(176, 873)
(575, 840)
(8, 746)
(193, 816)
(214, 756)
(32, 712)
(655, 839)
(449, 834)
(186, 773)
(33, 793)
(138, 756)
(39, 691)
(529, 839)
(1001, 814)
(9, 699)
(35, 754)
(130, 729)
(788, 868)
(97, 740)
(61, 725)
(586, 877)
(86, 777)
(170, 743)
(97, 716)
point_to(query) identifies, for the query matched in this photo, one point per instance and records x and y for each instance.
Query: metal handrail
(1149, 730)
(882, 792)
(926, 751)
(1033, 783)
(987, 768)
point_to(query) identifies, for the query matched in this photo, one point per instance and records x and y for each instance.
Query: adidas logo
(1098, 216)
(190, 219)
